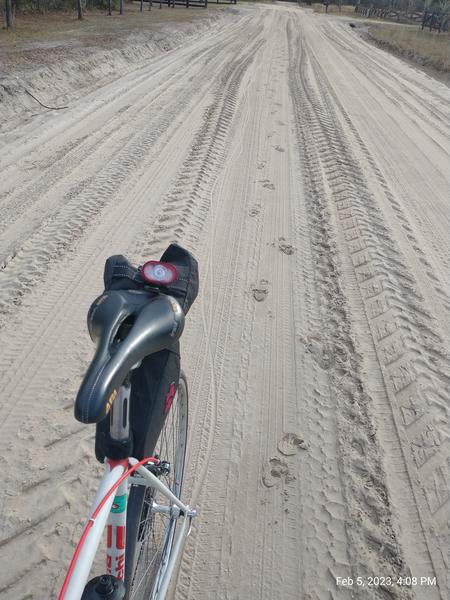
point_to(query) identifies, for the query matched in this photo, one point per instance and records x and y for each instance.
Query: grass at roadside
(427, 48)
(64, 28)
(346, 9)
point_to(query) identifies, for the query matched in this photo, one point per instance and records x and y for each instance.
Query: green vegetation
(427, 48)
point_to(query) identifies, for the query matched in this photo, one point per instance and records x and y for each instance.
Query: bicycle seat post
(119, 416)
(119, 432)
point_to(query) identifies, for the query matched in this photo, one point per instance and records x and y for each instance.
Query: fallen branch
(44, 105)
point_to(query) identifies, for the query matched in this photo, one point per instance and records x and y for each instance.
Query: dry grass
(427, 48)
(346, 9)
(96, 26)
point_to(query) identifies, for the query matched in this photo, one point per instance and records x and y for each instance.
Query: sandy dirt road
(309, 173)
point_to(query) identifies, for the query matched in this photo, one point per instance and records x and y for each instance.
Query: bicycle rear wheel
(150, 535)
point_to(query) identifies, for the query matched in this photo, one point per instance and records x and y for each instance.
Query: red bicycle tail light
(158, 273)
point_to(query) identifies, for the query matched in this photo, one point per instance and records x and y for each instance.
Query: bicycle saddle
(127, 325)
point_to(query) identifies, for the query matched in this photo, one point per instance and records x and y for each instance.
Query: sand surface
(309, 172)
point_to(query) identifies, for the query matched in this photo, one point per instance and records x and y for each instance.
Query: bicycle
(136, 322)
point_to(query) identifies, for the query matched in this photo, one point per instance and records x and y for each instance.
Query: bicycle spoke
(156, 530)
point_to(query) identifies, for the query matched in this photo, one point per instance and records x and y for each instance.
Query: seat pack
(157, 377)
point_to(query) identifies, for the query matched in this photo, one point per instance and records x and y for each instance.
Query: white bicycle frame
(113, 514)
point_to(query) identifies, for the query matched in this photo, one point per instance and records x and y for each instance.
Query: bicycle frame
(110, 513)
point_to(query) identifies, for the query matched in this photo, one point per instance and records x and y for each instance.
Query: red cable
(91, 521)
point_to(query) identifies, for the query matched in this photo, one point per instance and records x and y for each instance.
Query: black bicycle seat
(127, 325)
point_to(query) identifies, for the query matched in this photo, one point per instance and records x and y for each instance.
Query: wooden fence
(434, 20)
(438, 21)
(380, 13)
(189, 3)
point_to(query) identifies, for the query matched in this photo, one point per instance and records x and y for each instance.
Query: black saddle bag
(151, 384)
(185, 289)
(119, 274)
(158, 375)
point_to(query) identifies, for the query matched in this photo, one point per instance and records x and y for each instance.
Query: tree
(9, 17)
(80, 10)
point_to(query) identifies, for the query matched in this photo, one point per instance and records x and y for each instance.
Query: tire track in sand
(373, 540)
(408, 352)
(84, 200)
(223, 119)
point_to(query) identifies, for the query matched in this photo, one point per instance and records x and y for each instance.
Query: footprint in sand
(261, 164)
(321, 351)
(254, 210)
(261, 290)
(279, 148)
(276, 470)
(290, 443)
(267, 184)
(285, 247)
(124, 108)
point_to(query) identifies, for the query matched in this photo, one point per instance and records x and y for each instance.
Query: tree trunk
(9, 13)
(142, 5)
(109, 8)
(80, 10)
(121, 7)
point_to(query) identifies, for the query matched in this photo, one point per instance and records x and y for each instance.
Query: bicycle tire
(150, 536)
